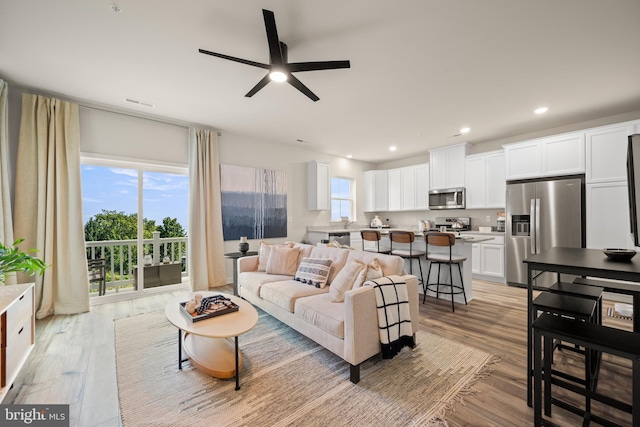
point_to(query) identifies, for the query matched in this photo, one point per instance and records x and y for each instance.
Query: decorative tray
(212, 306)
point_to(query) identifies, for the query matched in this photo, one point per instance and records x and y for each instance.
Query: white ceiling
(420, 69)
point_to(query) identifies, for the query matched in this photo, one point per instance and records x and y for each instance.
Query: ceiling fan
(280, 69)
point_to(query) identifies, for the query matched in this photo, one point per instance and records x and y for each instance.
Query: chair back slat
(402, 236)
(437, 238)
(370, 235)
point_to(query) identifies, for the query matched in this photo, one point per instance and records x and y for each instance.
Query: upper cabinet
(318, 186)
(607, 153)
(550, 156)
(376, 192)
(485, 180)
(401, 189)
(447, 166)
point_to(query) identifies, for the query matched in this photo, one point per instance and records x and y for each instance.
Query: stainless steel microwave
(450, 198)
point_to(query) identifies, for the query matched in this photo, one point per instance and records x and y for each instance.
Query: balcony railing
(121, 259)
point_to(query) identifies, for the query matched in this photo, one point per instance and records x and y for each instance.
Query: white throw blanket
(394, 316)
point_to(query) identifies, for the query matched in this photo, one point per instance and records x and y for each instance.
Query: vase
(244, 247)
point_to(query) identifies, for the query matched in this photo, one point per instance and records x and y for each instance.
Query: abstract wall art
(254, 202)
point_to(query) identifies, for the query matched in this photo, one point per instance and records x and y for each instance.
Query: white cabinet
(376, 191)
(485, 180)
(422, 186)
(407, 188)
(608, 216)
(394, 179)
(447, 166)
(355, 240)
(607, 153)
(487, 259)
(17, 323)
(318, 186)
(551, 156)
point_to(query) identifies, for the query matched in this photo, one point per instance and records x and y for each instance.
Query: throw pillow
(344, 280)
(282, 260)
(371, 272)
(314, 271)
(265, 250)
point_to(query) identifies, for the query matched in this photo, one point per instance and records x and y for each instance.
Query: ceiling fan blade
(262, 83)
(301, 87)
(318, 65)
(233, 58)
(275, 54)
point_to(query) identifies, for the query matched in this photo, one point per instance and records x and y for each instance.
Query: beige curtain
(48, 203)
(206, 244)
(6, 219)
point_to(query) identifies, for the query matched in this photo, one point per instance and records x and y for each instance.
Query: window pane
(340, 188)
(335, 210)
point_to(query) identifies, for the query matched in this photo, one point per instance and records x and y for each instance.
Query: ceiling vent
(137, 102)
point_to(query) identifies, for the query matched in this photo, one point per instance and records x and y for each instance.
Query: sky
(111, 188)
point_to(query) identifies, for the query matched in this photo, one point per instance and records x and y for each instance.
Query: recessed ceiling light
(541, 110)
(115, 8)
(349, 156)
(393, 148)
(465, 130)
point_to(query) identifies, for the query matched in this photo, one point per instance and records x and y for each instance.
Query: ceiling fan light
(277, 76)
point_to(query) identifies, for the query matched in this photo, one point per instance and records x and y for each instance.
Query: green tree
(171, 228)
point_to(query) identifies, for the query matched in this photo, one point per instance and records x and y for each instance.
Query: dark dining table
(585, 263)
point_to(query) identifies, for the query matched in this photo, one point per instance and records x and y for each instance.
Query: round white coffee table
(207, 343)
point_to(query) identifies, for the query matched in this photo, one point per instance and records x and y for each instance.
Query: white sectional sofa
(349, 328)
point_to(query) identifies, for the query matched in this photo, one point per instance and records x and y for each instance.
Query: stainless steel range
(452, 224)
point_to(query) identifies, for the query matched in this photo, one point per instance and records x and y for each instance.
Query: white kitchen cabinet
(318, 186)
(606, 149)
(608, 215)
(376, 191)
(487, 259)
(394, 180)
(485, 180)
(550, 156)
(355, 240)
(422, 186)
(447, 166)
(408, 188)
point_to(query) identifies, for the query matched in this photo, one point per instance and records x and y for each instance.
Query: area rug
(288, 380)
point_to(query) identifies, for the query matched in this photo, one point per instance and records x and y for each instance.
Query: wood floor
(74, 359)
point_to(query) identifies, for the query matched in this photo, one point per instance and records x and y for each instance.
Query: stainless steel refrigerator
(542, 214)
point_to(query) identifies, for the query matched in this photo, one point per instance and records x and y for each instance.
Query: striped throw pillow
(313, 271)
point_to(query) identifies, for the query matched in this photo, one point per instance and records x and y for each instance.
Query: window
(341, 199)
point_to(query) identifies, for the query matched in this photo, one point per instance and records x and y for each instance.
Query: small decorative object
(617, 254)
(376, 222)
(200, 308)
(244, 245)
(148, 259)
(166, 260)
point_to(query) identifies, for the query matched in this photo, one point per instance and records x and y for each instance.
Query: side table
(234, 256)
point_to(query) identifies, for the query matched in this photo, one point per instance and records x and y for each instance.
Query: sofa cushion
(372, 271)
(253, 280)
(305, 251)
(265, 250)
(390, 264)
(344, 280)
(313, 271)
(322, 313)
(338, 256)
(285, 293)
(283, 261)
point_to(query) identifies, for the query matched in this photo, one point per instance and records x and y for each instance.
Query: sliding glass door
(135, 228)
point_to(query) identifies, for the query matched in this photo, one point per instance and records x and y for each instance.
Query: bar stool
(406, 237)
(582, 291)
(579, 309)
(435, 238)
(372, 236)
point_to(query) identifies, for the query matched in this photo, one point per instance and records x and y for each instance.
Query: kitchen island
(463, 247)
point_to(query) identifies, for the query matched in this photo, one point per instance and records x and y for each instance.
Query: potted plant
(13, 260)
